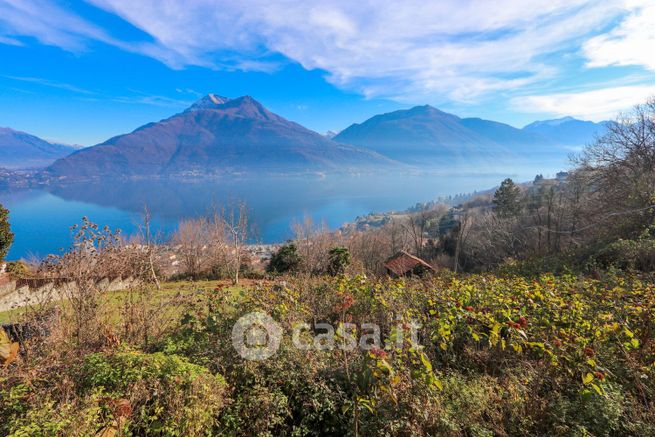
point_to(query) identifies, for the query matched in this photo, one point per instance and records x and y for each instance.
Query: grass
(176, 296)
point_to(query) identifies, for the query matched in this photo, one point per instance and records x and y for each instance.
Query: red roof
(403, 262)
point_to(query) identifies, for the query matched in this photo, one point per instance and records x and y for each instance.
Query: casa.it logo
(256, 336)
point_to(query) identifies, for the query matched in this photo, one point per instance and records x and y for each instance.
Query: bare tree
(416, 226)
(313, 242)
(191, 241)
(150, 245)
(237, 228)
(369, 249)
(396, 234)
(218, 245)
(620, 166)
(463, 231)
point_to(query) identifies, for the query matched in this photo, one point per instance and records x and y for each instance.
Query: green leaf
(598, 389)
(426, 362)
(537, 344)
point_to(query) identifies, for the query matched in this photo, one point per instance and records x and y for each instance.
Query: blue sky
(81, 72)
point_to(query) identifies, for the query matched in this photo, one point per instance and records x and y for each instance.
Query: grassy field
(172, 295)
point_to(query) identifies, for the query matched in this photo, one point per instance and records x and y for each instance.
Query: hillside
(214, 135)
(22, 150)
(424, 134)
(567, 130)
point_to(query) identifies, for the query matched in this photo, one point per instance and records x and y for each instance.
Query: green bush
(26, 411)
(18, 269)
(338, 260)
(168, 395)
(6, 236)
(286, 259)
(628, 254)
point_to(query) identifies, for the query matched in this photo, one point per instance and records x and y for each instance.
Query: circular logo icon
(256, 336)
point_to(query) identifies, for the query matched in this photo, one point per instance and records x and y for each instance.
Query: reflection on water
(41, 218)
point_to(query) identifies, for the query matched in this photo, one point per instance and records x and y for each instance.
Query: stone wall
(16, 294)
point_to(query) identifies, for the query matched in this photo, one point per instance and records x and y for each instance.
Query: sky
(80, 72)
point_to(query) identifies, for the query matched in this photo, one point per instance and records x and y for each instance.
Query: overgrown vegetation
(6, 236)
(508, 356)
(541, 324)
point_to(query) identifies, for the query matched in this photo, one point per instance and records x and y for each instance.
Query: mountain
(424, 134)
(214, 135)
(22, 150)
(416, 134)
(330, 134)
(567, 131)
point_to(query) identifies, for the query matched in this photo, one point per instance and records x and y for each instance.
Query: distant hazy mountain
(22, 150)
(567, 131)
(418, 133)
(424, 134)
(215, 134)
(330, 134)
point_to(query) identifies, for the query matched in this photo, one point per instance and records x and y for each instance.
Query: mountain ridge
(215, 134)
(20, 149)
(423, 133)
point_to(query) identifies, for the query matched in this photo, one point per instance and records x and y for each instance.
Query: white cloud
(46, 22)
(411, 51)
(456, 50)
(630, 43)
(596, 105)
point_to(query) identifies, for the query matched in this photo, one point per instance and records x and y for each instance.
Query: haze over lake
(41, 217)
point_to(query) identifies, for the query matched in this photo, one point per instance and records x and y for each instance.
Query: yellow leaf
(8, 350)
(586, 379)
(426, 362)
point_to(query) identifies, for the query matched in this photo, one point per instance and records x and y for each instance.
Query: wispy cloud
(152, 100)
(188, 91)
(596, 105)
(141, 98)
(51, 84)
(457, 50)
(9, 41)
(47, 22)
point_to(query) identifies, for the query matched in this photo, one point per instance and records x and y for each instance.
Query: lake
(40, 218)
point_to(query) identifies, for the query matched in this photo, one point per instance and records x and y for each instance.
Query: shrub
(6, 236)
(167, 394)
(286, 259)
(18, 269)
(27, 411)
(629, 254)
(338, 260)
